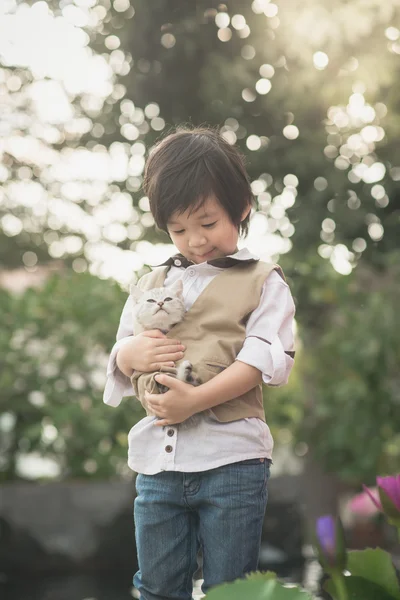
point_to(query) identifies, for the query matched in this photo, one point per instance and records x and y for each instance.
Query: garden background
(309, 91)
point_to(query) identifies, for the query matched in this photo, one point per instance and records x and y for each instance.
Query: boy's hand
(149, 351)
(174, 406)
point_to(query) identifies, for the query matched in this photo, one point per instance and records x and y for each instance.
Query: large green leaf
(376, 566)
(359, 588)
(258, 587)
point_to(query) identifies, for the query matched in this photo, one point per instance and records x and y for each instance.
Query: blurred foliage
(324, 160)
(54, 346)
(352, 400)
(343, 398)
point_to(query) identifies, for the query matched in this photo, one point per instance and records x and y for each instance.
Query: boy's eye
(177, 232)
(150, 300)
(209, 225)
(167, 299)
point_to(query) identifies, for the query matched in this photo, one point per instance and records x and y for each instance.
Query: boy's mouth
(205, 255)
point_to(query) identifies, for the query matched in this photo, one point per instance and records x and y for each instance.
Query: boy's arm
(118, 383)
(235, 380)
(183, 400)
(269, 343)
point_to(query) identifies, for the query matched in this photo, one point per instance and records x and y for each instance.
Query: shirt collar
(240, 256)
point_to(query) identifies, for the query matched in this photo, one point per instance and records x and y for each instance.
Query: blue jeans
(221, 510)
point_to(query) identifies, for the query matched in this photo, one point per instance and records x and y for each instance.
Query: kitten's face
(159, 308)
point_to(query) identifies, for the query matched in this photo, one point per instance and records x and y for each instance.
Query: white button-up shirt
(268, 346)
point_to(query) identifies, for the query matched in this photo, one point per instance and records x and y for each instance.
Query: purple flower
(389, 493)
(326, 534)
(330, 543)
(391, 487)
(388, 499)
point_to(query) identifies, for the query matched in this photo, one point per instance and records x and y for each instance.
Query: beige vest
(213, 331)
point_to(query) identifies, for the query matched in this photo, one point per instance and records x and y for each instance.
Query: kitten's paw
(187, 365)
(185, 373)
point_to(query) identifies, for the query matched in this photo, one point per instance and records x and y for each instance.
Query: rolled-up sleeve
(269, 343)
(119, 385)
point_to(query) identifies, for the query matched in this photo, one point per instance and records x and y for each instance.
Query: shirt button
(170, 432)
(177, 262)
(191, 272)
(168, 449)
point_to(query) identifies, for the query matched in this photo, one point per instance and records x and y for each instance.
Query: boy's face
(206, 233)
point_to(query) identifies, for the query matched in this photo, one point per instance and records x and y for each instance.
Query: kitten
(161, 308)
(158, 308)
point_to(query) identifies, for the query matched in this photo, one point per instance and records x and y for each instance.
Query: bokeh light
(320, 60)
(85, 189)
(291, 132)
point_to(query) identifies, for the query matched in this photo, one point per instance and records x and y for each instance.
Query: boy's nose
(197, 242)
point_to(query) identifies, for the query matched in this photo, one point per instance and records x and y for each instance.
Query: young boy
(206, 485)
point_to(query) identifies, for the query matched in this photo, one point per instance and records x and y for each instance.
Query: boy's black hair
(187, 167)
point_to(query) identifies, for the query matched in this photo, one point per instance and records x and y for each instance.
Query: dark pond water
(20, 586)
(66, 587)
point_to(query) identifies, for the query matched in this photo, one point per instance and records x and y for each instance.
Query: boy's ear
(135, 292)
(177, 287)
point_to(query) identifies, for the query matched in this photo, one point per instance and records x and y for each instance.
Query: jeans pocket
(253, 474)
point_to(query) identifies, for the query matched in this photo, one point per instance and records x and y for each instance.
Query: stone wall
(69, 525)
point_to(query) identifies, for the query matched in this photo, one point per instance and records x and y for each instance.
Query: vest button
(170, 432)
(168, 449)
(177, 262)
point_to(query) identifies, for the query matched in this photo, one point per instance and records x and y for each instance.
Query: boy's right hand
(149, 351)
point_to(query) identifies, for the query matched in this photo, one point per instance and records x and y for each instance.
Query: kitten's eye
(151, 300)
(167, 299)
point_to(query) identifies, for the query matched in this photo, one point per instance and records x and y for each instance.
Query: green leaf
(375, 565)
(359, 588)
(258, 587)
(261, 576)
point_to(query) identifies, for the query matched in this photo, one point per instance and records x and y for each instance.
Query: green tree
(54, 343)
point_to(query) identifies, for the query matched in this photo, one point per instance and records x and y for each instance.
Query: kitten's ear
(177, 287)
(135, 292)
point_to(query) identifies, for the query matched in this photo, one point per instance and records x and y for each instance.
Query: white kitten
(158, 308)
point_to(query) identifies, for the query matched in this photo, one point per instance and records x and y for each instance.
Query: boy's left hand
(173, 406)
